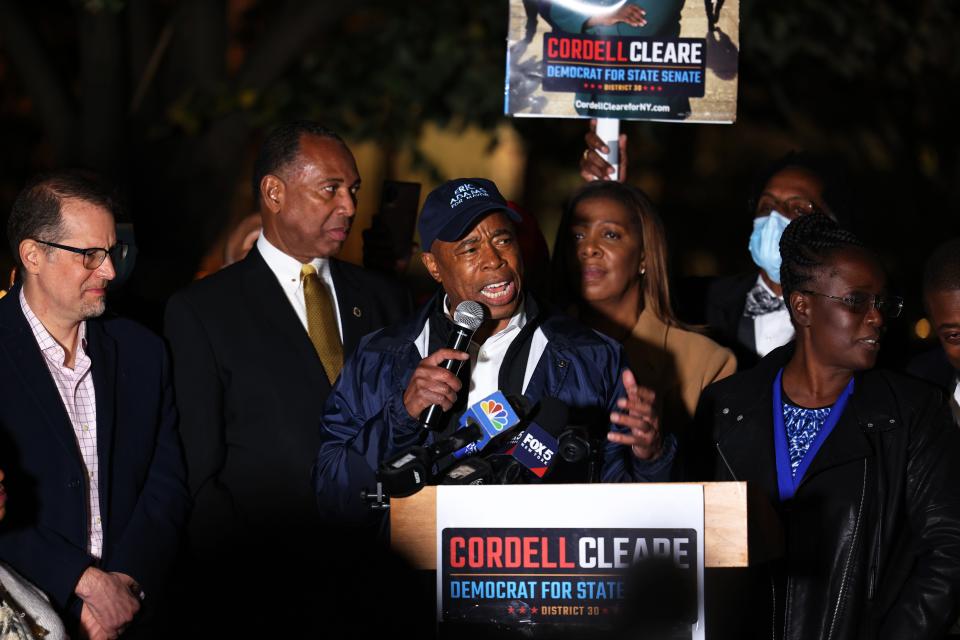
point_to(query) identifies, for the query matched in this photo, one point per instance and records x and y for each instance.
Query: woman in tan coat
(610, 265)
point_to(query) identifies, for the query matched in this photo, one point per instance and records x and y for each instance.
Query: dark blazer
(872, 549)
(143, 493)
(251, 389)
(726, 299)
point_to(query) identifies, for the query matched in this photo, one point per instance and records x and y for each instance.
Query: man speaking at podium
(470, 249)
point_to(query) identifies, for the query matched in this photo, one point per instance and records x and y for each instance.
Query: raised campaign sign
(626, 59)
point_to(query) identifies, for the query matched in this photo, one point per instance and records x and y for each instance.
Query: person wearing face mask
(746, 312)
(859, 464)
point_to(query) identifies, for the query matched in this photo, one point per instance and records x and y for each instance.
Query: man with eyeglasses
(87, 417)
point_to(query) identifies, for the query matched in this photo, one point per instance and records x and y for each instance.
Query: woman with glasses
(860, 464)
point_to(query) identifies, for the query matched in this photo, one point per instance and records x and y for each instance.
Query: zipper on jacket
(878, 536)
(773, 615)
(725, 463)
(853, 548)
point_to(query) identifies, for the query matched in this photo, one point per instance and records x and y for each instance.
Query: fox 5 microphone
(495, 415)
(533, 451)
(467, 318)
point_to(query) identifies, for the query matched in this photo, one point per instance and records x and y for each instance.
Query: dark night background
(170, 98)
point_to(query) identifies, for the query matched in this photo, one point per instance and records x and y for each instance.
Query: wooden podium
(740, 527)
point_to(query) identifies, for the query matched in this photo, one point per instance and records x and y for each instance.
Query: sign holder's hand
(593, 163)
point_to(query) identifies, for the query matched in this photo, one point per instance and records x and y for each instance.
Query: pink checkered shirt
(76, 390)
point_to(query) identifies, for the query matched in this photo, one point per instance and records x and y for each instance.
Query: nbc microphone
(496, 415)
(467, 318)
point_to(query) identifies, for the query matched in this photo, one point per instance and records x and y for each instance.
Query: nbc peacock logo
(495, 413)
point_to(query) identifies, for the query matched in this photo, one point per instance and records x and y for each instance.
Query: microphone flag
(494, 414)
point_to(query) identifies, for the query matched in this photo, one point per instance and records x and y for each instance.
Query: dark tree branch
(200, 44)
(300, 21)
(42, 82)
(104, 95)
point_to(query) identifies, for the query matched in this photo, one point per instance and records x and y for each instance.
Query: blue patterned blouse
(802, 426)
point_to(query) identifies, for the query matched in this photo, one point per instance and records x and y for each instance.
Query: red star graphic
(510, 610)
(533, 610)
(523, 609)
(606, 611)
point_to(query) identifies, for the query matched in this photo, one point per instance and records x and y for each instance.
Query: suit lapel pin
(356, 312)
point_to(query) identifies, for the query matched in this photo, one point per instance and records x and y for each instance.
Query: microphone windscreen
(469, 314)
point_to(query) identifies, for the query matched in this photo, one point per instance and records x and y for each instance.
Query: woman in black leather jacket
(862, 466)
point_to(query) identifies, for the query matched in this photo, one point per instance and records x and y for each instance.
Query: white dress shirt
(955, 401)
(771, 330)
(287, 271)
(486, 359)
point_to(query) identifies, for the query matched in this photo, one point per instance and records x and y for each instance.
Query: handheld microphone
(495, 415)
(405, 473)
(535, 449)
(467, 318)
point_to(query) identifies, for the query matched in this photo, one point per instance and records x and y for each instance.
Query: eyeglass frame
(814, 207)
(124, 248)
(875, 303)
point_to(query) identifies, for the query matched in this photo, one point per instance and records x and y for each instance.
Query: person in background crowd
(25, 612)
(610, 261)
(469, 237)
(241, 239)
(941, 297)
(87, 418)
(747, 312)
(256, 348)
(860, 464)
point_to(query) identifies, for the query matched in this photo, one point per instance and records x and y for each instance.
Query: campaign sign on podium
(569, 556)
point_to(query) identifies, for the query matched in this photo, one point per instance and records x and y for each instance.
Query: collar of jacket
(561, 332)
(743, 419)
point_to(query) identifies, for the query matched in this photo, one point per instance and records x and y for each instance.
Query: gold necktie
(321, 322)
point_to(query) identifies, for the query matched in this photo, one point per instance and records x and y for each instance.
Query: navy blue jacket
(143, 493)
(365, 421)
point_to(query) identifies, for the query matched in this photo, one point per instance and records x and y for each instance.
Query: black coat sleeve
(200, 400)
(927, 603)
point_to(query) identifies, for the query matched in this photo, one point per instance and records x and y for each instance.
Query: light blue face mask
(765, 243)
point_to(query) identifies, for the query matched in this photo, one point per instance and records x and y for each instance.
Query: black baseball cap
(452, 209)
